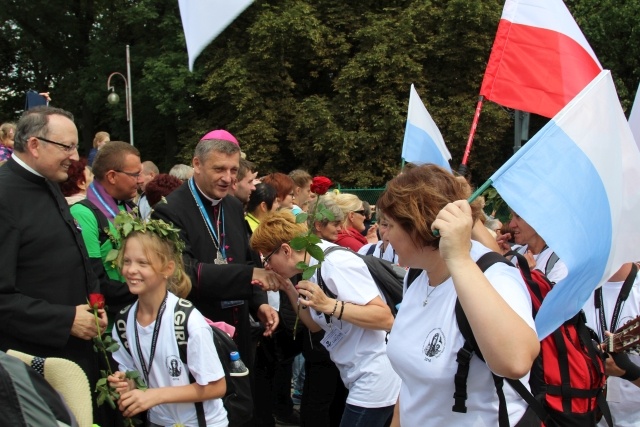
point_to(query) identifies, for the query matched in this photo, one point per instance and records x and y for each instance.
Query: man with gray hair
(181, 171)
(227, 286)
(46, 275)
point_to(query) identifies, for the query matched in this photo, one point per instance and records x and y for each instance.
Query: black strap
(533, 403)
(372, 249)
(471, 346)
(563, 364)
(182, 312)
(412, 275)
(625, 290)
(103, 222)
(551, 262)
(154, 339)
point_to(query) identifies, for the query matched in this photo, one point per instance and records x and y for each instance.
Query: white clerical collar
(24, 165)
(214, 202)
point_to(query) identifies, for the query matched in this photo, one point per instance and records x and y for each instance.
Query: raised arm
(508, 343)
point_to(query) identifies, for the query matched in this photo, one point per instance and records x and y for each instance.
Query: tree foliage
(322, 86)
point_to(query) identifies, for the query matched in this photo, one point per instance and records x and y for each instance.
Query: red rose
(320, 185)
(96, 301)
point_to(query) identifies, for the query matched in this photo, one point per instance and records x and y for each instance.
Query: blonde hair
(346, 202)
(160, 252)
(100, 136)
(276, 229)
(5, 130)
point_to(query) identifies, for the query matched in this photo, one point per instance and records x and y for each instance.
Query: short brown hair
(276, 229)
(414, 199)
(282, 183)
(111, 157)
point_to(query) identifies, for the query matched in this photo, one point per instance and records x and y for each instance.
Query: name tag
(332, 338)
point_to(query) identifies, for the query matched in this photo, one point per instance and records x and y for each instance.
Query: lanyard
(154, 339)
(213, 232)
(101, 200)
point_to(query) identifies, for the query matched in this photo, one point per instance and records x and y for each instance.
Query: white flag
(203, 20)
(423, 141)
(634, 119)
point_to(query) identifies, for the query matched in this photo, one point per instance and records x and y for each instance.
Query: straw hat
(68, 379)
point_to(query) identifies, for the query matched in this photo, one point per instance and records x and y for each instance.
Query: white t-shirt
(360, 355)
(389, 254)
(423, 345)
(168, 370)
(623, 396)
(559, 270)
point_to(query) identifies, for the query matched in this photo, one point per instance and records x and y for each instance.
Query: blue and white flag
(576, 183)
(203, 20)
(634, 119)
(423, 142)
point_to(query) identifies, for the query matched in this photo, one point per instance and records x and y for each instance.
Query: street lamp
(113, 97)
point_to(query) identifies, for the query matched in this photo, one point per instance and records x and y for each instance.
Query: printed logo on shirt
(174, 367)
(434, 344)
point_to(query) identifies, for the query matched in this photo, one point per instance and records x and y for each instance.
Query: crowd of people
(222, 236)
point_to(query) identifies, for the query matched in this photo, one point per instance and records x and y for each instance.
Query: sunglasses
(361, 212)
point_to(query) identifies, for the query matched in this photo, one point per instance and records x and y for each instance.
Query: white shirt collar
(24, 165)
(214, 202)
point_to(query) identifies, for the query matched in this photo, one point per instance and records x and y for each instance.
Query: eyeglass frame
(266, 259)
(360, 211)
(67, 148)
(131, 174)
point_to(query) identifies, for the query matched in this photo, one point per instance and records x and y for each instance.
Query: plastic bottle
(237, 367)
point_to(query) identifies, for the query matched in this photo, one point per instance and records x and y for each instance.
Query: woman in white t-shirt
(355, 318)
(382, 249)
(425, 338)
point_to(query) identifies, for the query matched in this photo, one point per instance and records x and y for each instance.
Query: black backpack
(388, 277)
(237, 400)
(103, 222)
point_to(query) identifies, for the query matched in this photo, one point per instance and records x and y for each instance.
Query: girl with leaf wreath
(151, 262)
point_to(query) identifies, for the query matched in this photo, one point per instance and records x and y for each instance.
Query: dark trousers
(273, 371)
(324, 395)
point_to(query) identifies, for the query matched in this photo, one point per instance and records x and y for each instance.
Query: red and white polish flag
(540, 59)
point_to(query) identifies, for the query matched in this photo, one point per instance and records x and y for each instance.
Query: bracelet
(334, 309)
(341, 311)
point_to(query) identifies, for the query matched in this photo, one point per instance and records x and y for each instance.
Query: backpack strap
(551, 262)
(181, 314)
(412, 275)
(622, 297)
(371, 249)
(103, 222)
(471, 346)
(121, 327)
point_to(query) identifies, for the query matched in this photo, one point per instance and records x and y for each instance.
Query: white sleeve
(122, 357)
(350, 279)
(508, 282)
(204, 361)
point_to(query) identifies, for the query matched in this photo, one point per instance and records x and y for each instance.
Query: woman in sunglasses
(343, 300)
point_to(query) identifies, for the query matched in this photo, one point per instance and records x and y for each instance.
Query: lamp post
(113, 97)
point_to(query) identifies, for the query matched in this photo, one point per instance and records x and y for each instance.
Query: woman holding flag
(425, 339)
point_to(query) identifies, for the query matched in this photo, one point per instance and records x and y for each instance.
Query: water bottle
(237, 367)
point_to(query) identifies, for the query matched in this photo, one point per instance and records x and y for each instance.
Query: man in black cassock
(227, 285)
(45, 275)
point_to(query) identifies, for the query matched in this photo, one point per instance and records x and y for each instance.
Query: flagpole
(462, 170)
(471, 198)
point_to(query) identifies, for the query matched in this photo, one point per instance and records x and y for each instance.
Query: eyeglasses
(131, 174)
(266, 259)
(361, 212)
(65, 147)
